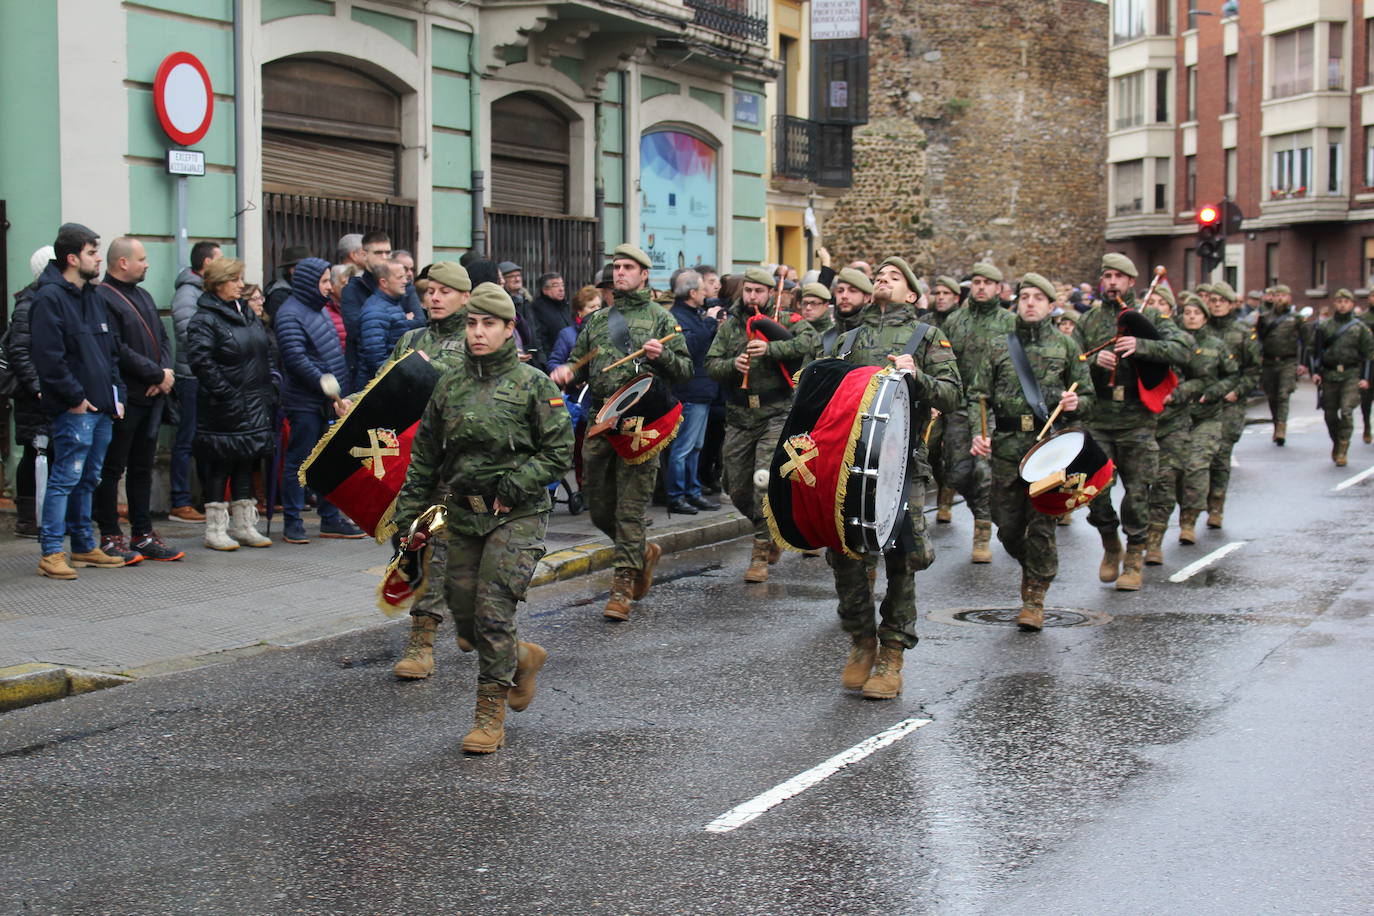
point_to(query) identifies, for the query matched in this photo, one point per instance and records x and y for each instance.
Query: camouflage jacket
(883, 333)
(494, 428)
(939, 318)
(1123, 409)
(1054, 359)
(766, 381)
(1343, 355)
(443, 341)
(1283, 335)
(820, 326)
(1211, 368)
(1242, 341)
(646, 321)
(973, 329)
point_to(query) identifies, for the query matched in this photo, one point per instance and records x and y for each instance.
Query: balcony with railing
(808, 150)
(746, 19)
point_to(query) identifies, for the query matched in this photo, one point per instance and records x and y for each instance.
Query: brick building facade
(984, 139)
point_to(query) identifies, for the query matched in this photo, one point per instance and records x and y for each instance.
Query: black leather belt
(1025, 423)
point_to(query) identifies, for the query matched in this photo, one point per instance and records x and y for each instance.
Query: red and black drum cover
(1154, 381)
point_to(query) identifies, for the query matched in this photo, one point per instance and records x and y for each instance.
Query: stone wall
(985, 139)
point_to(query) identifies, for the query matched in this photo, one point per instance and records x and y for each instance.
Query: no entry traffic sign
(183, 98)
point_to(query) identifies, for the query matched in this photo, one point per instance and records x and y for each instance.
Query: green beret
(490, 299)
(1344, 293)
(1190, 298)
(816, 289)
(1040, 283)
(856, 279)
(1068, 314)
(1167, 295)
(948, 283)
(905, 268)
(1283, 289)
(984, 269)
(634, 253)
(451, 274)
(1204, 288)
(1115, 260)
(1224, 290)
(760, 276)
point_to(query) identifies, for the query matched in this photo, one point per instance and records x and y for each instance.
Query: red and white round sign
(183, 98)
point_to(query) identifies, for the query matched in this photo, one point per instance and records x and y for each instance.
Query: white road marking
(742, 814)
(1351, 481)
(1192, 569)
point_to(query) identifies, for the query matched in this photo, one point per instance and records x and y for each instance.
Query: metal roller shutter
(328, 166)
(525, 186)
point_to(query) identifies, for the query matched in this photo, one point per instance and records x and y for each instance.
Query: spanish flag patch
(555, 402)
(945, 343)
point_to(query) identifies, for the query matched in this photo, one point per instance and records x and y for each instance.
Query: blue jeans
(686, 450)
(76, 456)
(307, 426)
(185, 392)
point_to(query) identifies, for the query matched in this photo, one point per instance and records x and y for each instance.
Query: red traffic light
(1208, 216)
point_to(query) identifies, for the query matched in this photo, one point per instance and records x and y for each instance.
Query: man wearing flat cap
(1343, 348)
(617, 491)
(971, 332)
(1241, 340)
(492, 436)
(1283, 343)
(1121, 424)
(754, 369)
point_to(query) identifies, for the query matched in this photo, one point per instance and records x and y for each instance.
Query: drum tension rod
(870, 472)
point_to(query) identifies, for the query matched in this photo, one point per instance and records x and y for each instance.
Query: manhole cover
(1006, 617)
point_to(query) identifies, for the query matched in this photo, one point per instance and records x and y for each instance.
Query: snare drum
(1065, 471)
(640, 419)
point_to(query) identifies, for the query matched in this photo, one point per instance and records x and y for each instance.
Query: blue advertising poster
(677, 182)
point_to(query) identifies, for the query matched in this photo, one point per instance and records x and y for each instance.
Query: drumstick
(638, 353)
(1058, 409)
(584, 360)
(925, 437)
(983, 414)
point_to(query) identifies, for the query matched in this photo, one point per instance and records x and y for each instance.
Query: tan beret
(856, 279)
(451, 274)
(760, 276)
(985, 269)
(1282, 289)
(1224, 290)
(816, 289)
(1115, 260)
(900, 263)
(1040, 283)
(490, 299)
(634, 253)
(1344, 293)
(948, 283)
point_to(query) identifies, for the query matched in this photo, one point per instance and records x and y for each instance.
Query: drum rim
(605, 413)
(888, 381)
(1021, 466)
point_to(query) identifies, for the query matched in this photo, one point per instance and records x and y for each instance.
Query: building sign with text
(838, 19)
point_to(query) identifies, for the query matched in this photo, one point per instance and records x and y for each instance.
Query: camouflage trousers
(1339, 400)
(896, 625)
(1203, 444)
(433, 602)
(935, 450)
(486, 578)
(1279, 379)
(1136, 456)
(1232, 425)
(970, 477)
(1168, 488)
(751, 435)
(1366, 400)
(617, 497)
(1028, 535)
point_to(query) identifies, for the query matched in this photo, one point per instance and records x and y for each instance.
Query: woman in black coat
(230, 352)
(29, 419)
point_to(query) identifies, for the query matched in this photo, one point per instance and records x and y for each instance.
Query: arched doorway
(331, 153)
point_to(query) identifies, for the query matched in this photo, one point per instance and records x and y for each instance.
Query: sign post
(185, 105)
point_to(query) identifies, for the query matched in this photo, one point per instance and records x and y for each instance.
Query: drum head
(1054, 454)
(892, 465)
(625, 398)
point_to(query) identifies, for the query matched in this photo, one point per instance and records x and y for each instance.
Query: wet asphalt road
(1206, 751)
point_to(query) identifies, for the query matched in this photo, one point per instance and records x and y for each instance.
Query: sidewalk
(159, 617)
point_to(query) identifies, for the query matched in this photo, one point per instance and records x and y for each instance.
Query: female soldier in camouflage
(1214, 365)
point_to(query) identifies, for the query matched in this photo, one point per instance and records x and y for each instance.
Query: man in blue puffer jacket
(309, 347)
(383, 319)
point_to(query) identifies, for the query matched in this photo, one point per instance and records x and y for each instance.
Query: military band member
(971, 331)
(1342, 351)
(1223, 303)
(1121, 424)
(494, 434)
(1282, 337)
(944, 301)
(618, 492)
(1173, 433)
(1212, 369)
(883, 338)
(1028, 535)
(758, 393)
(815, 308)
(1365, 312)
(853, 292)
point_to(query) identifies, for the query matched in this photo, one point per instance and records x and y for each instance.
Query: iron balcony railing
(813, 151)
(747, 19)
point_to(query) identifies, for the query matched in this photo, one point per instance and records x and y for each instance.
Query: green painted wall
(449, 49)
(713, 100)
(750, 152)
(749, 196)
(280, 9)
(452, 101)
(451, 143)
(452, 220)
(613, 160)
(749, 206)
(403, 30)
(651, 87)
(569, 67)
(750, 243)
(223, 10)
(152, 37)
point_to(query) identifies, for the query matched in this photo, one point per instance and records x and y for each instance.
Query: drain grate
(1006, 617)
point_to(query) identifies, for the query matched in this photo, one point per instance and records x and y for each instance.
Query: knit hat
(1115, 260)
(901, 264)
(1040, 283)
(948, 283)
(40, 259)
(816, 289)
(1344, 293)
(760, 276)
(490, 299)
(1224, 290)
(856, 279)
(985, 269)
(634, 253)
(305, 281)
(452, 275)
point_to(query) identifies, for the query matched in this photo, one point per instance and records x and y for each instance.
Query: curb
(39, 682)
(571, 562)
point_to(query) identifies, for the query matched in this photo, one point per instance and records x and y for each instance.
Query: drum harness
(1030, 388)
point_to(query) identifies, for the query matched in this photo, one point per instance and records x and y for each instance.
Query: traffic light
(1211, 239)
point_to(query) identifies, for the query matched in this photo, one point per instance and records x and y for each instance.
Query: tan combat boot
(55, 566)
(1111, 557)
(1280, 433)
(774, 552)
(859, 667)
(530, 657)
(488, 721)
(982, 542)
(886, 680)
(1215, 509)
(944, 503)
(644, 579)
(758, 563)
(1131, 569)
(1187, 526)
(1339, 452)
(1154, 545)
(1032, 615)
(417, 662)
(622, 585)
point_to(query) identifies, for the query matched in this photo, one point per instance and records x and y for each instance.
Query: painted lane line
(1193, 569)
(742, 814)
(1351, 481)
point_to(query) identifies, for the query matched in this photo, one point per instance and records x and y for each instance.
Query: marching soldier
(853, 292)
(1173, 433)
(1121, 424)
(758, 392)
(1027, 534)
(617, 491)
(1222, 302)
(494, 433)
(1211, 372)
(971, 331)
(815, 308)
(1282, 337)
(1342, 352)
(1365, 312)
(888, 336)
(944, 296)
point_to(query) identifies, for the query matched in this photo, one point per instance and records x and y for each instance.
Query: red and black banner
(1154, 381)
(360, 463)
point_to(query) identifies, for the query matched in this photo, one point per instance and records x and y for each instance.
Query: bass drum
(875, 500)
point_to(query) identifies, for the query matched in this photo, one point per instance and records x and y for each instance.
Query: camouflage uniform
(1027, 534)
(1122, 426)
(1212, 372)
(1366, 394)
(493, 429)
(935, 442)
(971, 331)
(618, 493)
(1282, 337)
(1344, 354)
(1173, 433)
(1243, 342)
(754, 416)
(936, 386)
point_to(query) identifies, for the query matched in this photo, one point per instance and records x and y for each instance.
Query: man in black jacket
(145, 365)
(548, 314)
(76, 354)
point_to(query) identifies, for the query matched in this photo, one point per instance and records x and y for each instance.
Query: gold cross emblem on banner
(640, 437)
(800, 449)
(382, 444)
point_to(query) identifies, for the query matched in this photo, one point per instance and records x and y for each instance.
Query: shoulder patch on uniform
(677, 327)
(555, 402)
(945, 343)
